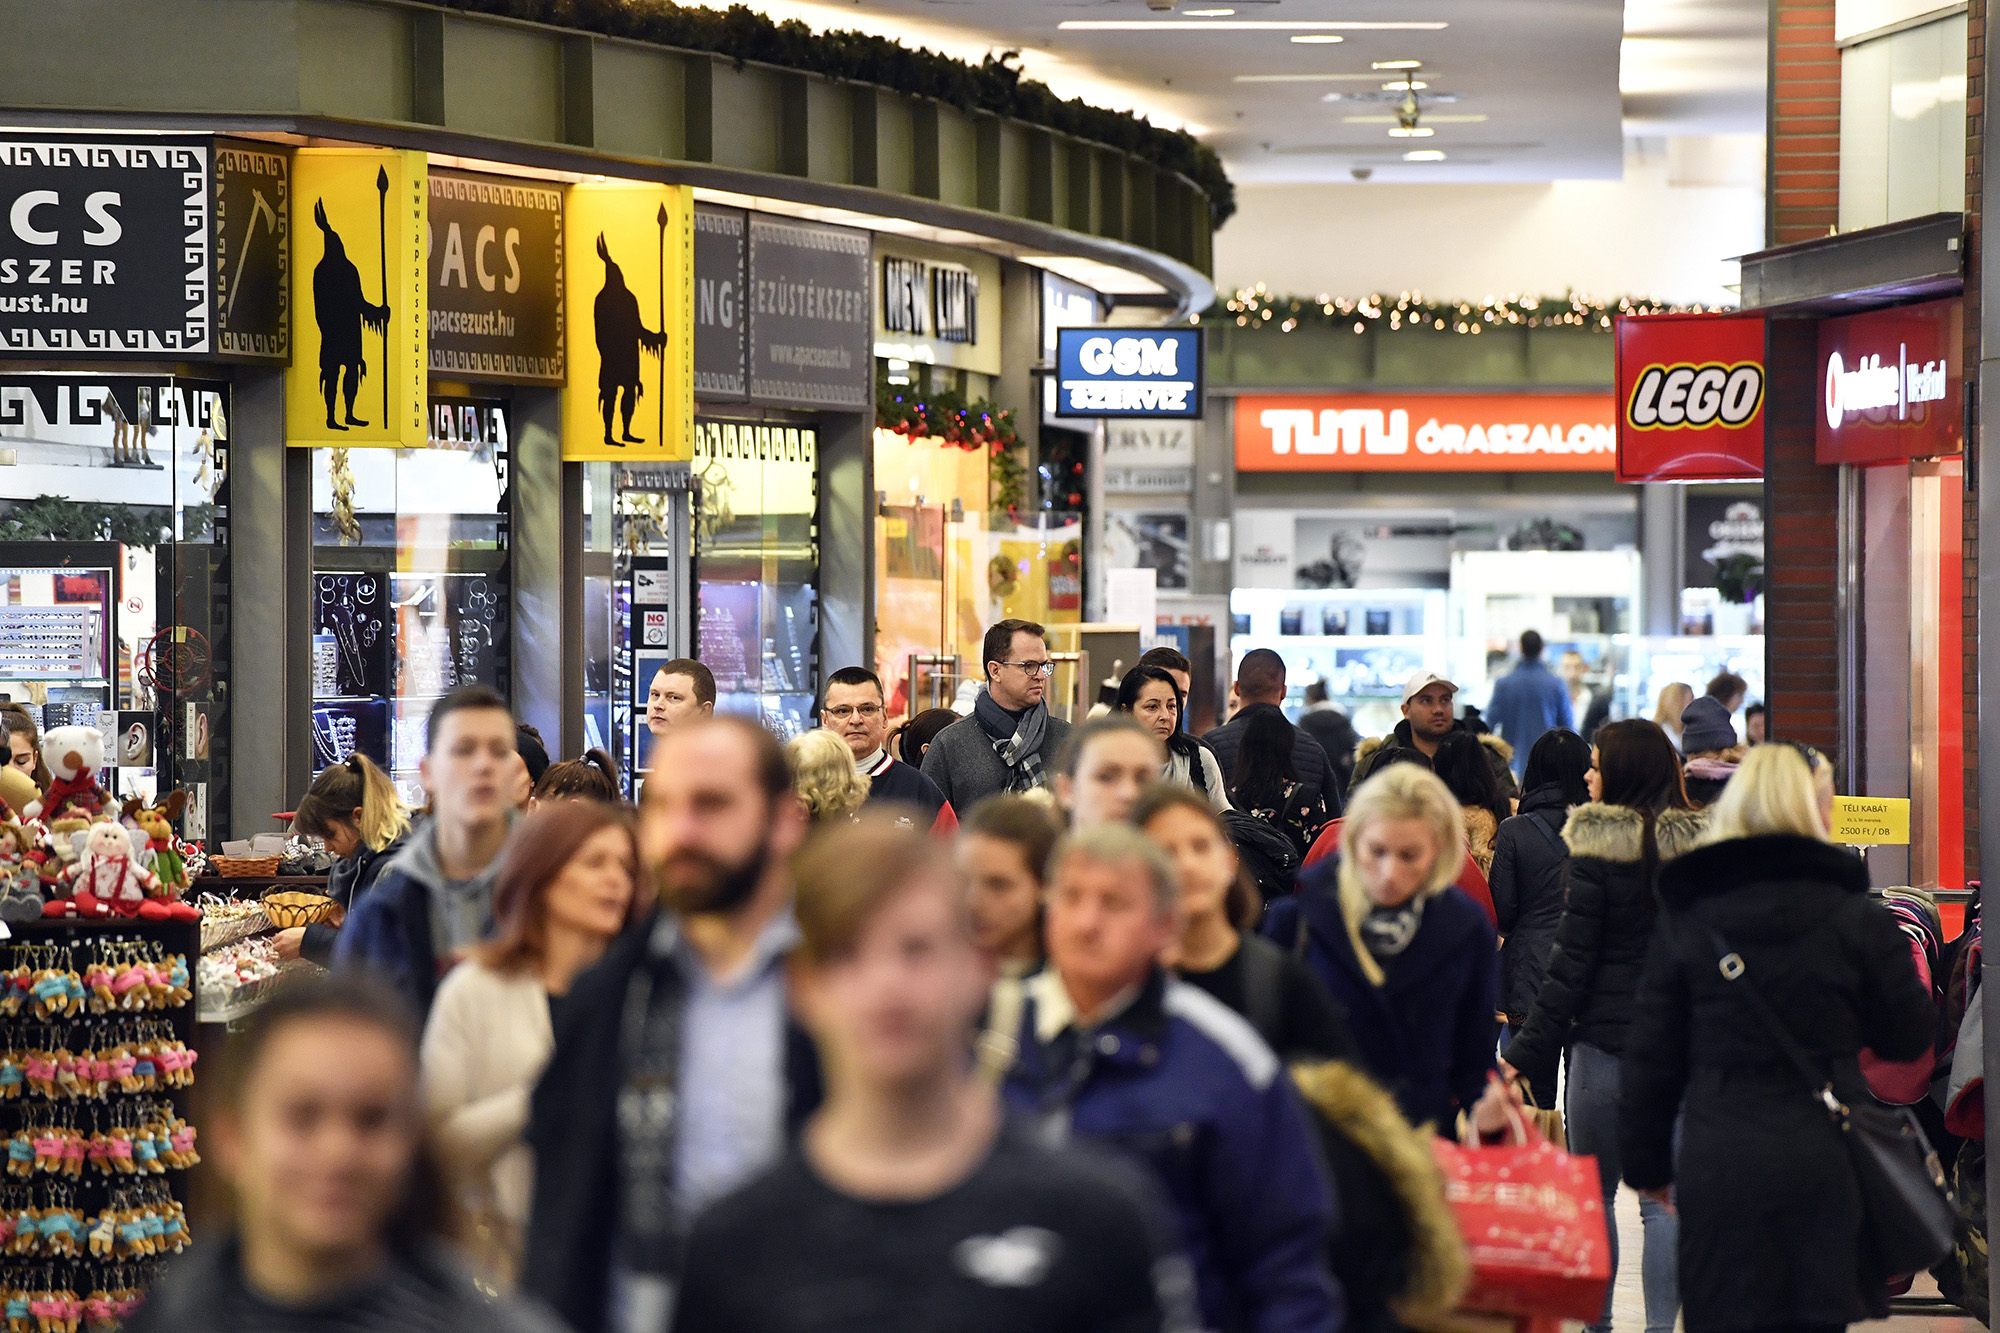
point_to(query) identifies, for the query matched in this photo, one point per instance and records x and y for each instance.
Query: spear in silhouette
(661, 433)
(382, 246)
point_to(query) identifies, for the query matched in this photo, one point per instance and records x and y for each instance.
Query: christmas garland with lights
(946, 415)
(1254, 307)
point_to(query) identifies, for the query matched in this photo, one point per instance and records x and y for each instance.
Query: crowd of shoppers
(1021, 1034)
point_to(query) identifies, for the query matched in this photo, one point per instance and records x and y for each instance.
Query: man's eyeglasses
(1043, 668)
(866, 712)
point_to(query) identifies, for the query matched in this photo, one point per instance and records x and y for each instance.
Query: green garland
(994, 85)
(947, 415)
(1253, 307)
(53, 518)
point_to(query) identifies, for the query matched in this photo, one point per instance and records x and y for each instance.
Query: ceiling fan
(1408, 93)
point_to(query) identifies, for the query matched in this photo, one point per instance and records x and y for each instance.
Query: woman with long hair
(353, 809)
(1151, 695)
(1217, 951)
(1266, 782)
(567, 887)
(1771, 1218)
(1673, 701)
(1461, 762)
(24, 744)
(1410, 959)
(1637, 821)
(1103, 767)
(1531, 869)
(1002, 851)
(824, 776)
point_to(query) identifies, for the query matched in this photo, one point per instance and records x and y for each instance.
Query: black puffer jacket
(1770, 1212)
(1601, 941)
(1529, 862)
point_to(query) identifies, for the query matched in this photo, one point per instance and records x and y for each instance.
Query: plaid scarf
(1018, 743)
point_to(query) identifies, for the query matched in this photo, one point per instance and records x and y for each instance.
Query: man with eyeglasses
(852, 709)
(1010, 742)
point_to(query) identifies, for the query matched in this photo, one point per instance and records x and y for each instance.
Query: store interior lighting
(1248, 25)
(1317, 38)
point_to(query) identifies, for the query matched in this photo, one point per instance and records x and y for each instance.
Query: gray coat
(962, 762)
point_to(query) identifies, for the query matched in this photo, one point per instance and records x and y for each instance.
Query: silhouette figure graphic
(621, 337)
(341, 311)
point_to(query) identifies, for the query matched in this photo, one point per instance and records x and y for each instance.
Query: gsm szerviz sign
(1128, 372)
(1691, 397)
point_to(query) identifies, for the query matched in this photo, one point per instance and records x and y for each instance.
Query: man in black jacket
(1260, 684)
(678, 1072)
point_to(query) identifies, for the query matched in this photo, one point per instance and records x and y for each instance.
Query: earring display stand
(81, 1243)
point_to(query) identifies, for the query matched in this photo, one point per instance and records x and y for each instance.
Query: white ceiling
(1547, 89)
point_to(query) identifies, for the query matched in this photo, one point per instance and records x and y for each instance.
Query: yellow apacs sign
(628, 256)
(1871, 820)
(358, 374)
(1694, 397)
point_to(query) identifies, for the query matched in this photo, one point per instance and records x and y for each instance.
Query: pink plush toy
(109, 873)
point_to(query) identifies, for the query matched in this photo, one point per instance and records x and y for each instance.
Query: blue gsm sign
(1128, 372)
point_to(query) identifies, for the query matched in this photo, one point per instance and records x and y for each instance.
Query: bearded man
(678, 1072)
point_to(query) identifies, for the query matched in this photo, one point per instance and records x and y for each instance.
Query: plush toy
(109, 874)
(164, 859)
(75, 755)
(18, 790)
(20, 880)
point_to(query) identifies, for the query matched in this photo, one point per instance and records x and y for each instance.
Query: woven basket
(289, 907)
(243, 867)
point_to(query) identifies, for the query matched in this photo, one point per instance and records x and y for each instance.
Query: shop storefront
(1382, 533)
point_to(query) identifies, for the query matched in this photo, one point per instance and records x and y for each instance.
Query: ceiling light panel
(1244, 25)
(1317, 38)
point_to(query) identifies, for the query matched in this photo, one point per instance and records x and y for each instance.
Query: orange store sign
(1380, 432)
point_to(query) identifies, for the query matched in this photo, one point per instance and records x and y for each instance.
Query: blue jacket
(1528, 701)
(1189, 1089)
(388, 931)
(1428, 1032)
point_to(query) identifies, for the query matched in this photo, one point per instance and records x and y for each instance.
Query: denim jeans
(1591, 1119)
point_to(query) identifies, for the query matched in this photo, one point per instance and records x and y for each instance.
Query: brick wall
(1975, 119)
(1801, 546)
(1805, 122)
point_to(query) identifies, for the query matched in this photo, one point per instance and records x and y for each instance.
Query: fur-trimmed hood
(1497, 746)
(1364, 751)
(1772, 858)
(1366, 1116)
(1617, 832)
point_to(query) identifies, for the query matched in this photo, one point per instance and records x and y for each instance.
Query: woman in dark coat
(1266, 782)
(1637, 822)
(1530, 861)
(1411, 959)
(1770, 1213)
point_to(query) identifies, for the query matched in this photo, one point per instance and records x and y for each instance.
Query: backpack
(1272, 859)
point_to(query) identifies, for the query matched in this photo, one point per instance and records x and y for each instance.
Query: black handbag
(1909, 1219)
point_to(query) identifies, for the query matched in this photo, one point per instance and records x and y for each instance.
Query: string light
(1252, 307)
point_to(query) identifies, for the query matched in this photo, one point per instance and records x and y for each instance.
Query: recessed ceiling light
(1397, 64)
(1420, 132)
(1409, 85)
(1317, 38)
(1246, 25)
(1424, 155)
(1208, 13)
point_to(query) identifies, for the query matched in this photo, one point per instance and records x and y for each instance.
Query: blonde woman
(823, 772)
(1770, 1218)
(1411, 959)
(1667, 710)
(354, 810)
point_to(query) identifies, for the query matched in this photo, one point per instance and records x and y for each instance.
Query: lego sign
(1691, 397)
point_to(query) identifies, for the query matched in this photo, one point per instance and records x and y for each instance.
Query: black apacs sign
(105, 246)
(496, 278)
(253, 244)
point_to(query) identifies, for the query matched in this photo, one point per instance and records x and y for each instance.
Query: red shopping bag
(1534, 1225)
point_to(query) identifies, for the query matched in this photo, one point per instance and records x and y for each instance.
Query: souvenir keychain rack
(80, 1242)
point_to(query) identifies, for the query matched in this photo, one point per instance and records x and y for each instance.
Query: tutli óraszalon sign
(1891, 385)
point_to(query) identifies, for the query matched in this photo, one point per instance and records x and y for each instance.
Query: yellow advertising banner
(1871, 820)
(628, 256)
(358, 375)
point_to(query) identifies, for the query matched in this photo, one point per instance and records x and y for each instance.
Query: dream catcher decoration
(176, 660)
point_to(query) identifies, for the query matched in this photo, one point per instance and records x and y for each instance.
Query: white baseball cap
(1422, 681)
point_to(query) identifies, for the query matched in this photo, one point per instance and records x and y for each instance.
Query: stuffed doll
(108, 873)
(20, 880)
(75, 755)
(164, 859)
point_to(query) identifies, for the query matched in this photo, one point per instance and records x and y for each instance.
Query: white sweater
(485, 1046)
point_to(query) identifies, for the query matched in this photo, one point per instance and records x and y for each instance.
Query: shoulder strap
(1263, 984)
(1549, 834)
(1730, 964)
